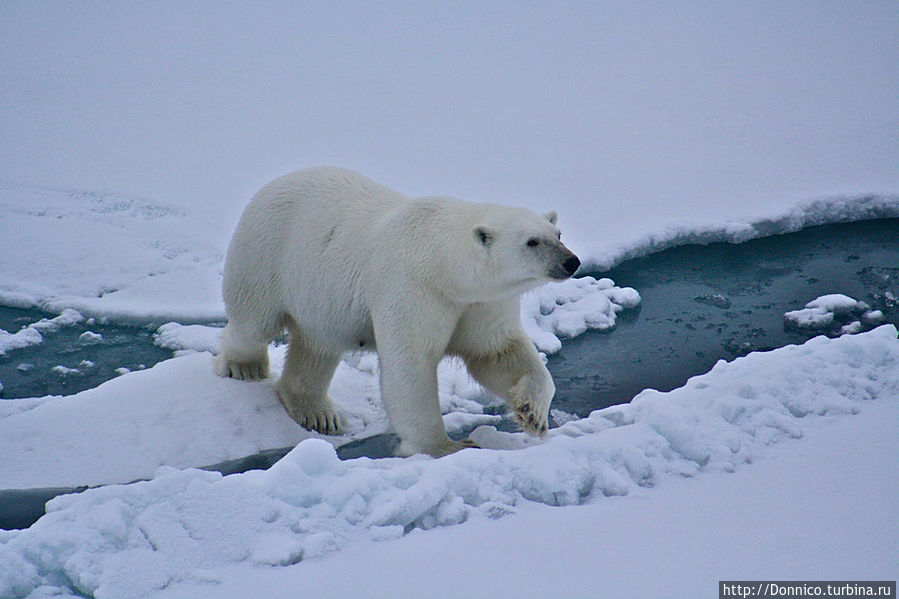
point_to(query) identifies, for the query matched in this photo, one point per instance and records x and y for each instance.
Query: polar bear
(345, 264)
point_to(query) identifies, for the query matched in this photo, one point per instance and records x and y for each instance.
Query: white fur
(346, 264)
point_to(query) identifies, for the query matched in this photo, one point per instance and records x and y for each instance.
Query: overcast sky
(601, 110)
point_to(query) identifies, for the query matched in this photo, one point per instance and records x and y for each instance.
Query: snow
(64, 371)
(569, 308)
(130, 540)
(177, 413)
(90, 337)
(836, 303)
(734, 227)
(873, 317)
(193, 337)
(676, 539)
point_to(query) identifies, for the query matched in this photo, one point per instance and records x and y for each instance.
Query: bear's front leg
(409, 393)
(517, 374)
(530, 399)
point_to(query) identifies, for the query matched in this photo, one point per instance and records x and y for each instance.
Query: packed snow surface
(763, 522)
(107, 255)
(128, 540)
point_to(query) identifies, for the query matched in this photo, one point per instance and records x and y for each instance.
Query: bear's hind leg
(303, 386)
(241, 357)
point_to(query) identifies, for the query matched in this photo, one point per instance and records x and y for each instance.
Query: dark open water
(719, 301)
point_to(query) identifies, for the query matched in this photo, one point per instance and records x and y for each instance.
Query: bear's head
(518, 250)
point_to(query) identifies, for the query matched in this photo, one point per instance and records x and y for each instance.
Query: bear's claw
(533, 416)
(455, 446)
(243, 371)
(324, 419)
(531, 423)
(327, 422)
(405, 450)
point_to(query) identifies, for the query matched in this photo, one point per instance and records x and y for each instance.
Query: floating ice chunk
(24, 338)
(835, 302)
(873, 317)
(66, 318)
(64, 371)
(89, 337)
(809, 318)
(713, 299)
(34, 333)
(834, 312)
(851, 328)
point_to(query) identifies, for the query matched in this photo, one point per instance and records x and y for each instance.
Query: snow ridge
(821, 211)
(128, 540)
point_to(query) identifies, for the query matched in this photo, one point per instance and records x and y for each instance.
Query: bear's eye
(533, 242)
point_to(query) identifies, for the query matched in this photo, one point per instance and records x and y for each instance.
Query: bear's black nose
(571, 265)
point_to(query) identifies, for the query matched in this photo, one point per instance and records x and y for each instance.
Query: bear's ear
(483, 234)
(551, 216)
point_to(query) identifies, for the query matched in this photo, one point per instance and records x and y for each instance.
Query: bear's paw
(321, 419)
(530, 406)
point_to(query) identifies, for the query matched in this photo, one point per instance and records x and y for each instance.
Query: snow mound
(834, 312)
(126, 541)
